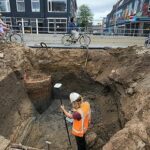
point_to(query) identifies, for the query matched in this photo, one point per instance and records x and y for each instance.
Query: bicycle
(68, 39)
(147, 42)
(12, 36)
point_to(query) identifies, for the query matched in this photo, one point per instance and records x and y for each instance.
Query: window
(130, 9)
(135, 6)
(120, 3)
(35, 5)
(7, 20)
(57, 25)
(57, 5)
(20, 5)
(149, 7)
(25, 21)
(33, 22)
(4, 6)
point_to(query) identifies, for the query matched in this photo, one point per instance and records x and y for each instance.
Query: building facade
(131, 17)
(47, 16)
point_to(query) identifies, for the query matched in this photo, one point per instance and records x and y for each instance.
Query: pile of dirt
(116, 82)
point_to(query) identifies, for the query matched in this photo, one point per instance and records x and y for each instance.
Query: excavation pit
(114, 81)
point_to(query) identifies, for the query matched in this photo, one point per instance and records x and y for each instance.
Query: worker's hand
(62, 107)
(73, 109)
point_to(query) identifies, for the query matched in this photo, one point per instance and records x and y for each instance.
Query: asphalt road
(54, 40)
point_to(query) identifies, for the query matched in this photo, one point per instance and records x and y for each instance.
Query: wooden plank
(20, 146)
(4, 143)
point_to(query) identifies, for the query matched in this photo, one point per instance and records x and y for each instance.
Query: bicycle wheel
(66, 40)
(147, 43)
(16, 38)
(85, 40)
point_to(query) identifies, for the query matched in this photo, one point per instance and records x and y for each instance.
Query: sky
(100, 8)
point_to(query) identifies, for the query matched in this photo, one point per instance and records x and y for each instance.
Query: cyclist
(73, 29)
(3, 27)
(147, 41)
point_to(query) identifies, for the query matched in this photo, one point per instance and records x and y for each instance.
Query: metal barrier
(52, 26)
(91, 31)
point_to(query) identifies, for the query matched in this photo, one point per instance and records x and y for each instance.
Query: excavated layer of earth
(116, 82)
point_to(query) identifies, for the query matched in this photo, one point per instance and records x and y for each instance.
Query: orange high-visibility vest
(80, 127)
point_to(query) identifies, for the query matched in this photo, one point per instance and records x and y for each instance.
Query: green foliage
(85, 15)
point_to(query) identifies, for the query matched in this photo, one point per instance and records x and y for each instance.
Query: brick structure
(39, 91)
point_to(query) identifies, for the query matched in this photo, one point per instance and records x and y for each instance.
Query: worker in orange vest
(81, 118)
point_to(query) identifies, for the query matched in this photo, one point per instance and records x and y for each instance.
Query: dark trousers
(81, 143)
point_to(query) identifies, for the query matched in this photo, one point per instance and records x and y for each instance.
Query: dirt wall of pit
(16, 108)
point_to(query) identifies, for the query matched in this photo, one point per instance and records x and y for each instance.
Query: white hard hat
(74, 96)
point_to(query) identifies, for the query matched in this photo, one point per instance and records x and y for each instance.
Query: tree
(85, 15)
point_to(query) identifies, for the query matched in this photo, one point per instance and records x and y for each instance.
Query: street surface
(54, 40)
